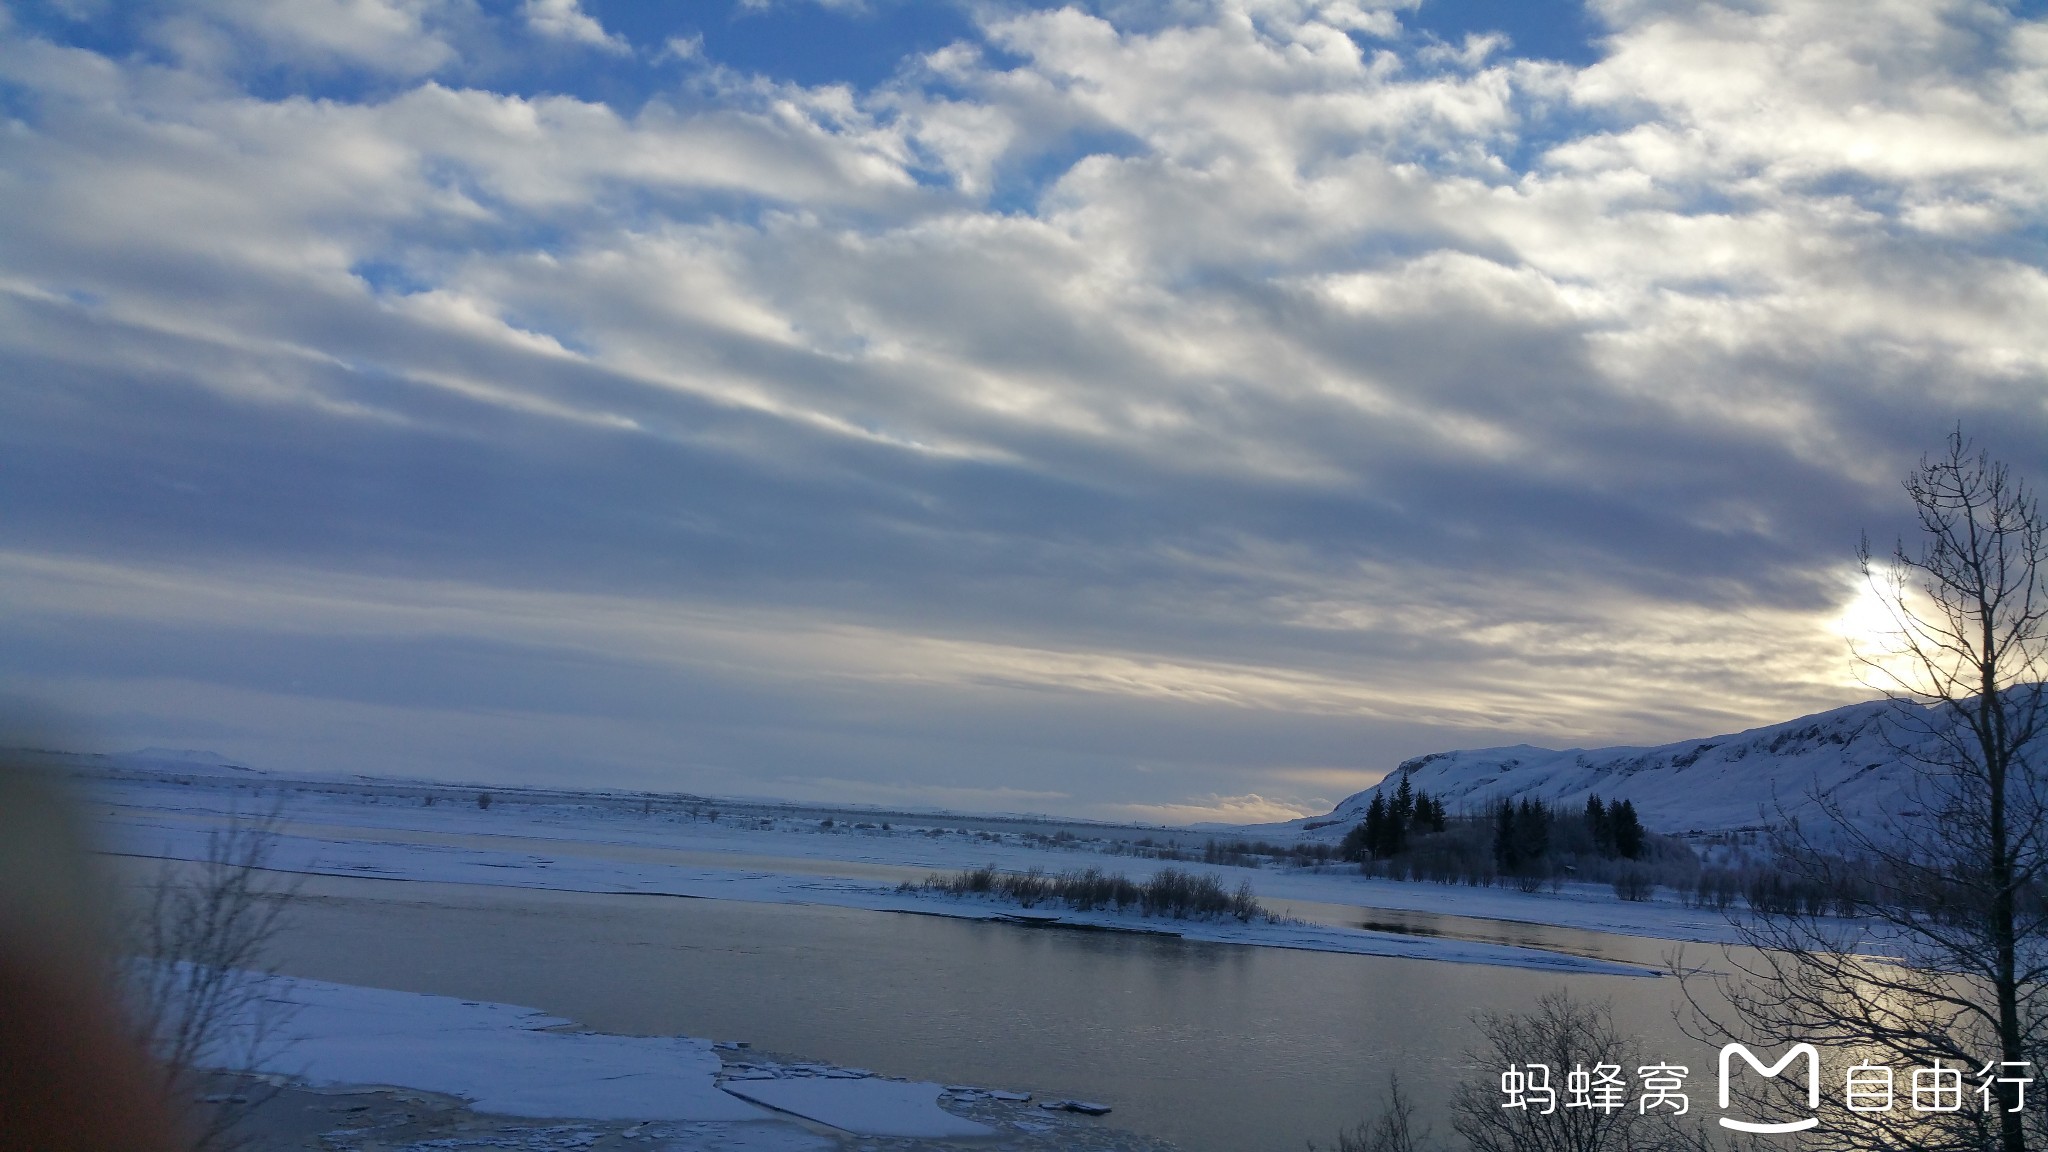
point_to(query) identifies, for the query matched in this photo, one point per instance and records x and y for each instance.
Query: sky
(1171, 411)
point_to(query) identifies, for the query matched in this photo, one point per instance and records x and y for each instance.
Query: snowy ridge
(1745, 780)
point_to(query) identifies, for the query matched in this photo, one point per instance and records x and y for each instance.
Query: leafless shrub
(1392, 1130)
(1169, 892)
(1634, 884)
(198, 979)
(1563, 1033)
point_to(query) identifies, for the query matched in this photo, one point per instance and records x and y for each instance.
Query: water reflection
(1216, 1047)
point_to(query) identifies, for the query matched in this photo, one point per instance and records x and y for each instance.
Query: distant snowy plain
(593, 842)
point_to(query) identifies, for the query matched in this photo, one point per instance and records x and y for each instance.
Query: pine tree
(1628, 831)
(1376, 827)
(1399, 813)
(1532, 831)
(1429, 812)
(1506, 846)
(1601, 827)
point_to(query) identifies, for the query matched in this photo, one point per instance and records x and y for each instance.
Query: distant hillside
(1710, 785)
(193, 761)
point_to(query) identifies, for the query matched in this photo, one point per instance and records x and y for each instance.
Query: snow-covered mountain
(1716, 784)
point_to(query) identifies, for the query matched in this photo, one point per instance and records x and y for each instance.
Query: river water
(1219, 1048)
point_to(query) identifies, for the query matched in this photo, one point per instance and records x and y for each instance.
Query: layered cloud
(1112, 409)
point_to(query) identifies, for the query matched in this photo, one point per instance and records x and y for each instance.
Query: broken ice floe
(513, 1061)
(865, 1107)
(968, 1094)
(1085, 1107)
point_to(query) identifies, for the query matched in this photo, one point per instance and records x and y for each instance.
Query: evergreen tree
(1376, 827)
(1628, 831)
(1399, 812)
(1506, 845)
(1429, 812)
(1601, 827)
(1532, 831)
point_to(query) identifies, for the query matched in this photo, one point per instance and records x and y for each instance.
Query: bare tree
(198, 977)
(1394, 1129)
(1564, 1035)
(1942, 942)
(1568, 1038)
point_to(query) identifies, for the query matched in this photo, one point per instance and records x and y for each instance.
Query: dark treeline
(1522, 830)
(1531, 845)
(1527, 843)
(1384, 832)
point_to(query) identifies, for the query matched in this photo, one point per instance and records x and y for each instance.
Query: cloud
(1250, 367)
(1247, 809)
(566, 20)
(400, 37)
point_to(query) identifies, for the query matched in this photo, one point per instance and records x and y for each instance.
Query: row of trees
(1528, 836)
(1385, 831)
(1615, 828)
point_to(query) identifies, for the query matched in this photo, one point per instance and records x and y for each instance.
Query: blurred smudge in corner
(72, 1074)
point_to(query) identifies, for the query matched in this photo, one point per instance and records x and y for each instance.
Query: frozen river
(1213, 1046)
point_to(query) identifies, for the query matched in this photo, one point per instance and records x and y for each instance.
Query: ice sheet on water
(497, 1056)
(864, 1107)
(517, 1061)
(778, 1137)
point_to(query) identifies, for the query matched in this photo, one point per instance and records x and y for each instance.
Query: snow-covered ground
(512, 1061)
(501, 1058)
(627, 844)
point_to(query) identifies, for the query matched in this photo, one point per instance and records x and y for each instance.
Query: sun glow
(1872, 624)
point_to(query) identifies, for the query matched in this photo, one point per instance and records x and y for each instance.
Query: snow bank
(514, 1061)
(499, 1057)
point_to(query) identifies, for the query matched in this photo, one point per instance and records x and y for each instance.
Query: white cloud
(394, 36)
(1250, 808)
(567, 21)
(1491, 394)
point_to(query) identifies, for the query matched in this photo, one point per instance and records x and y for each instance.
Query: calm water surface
(1216, 1047)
